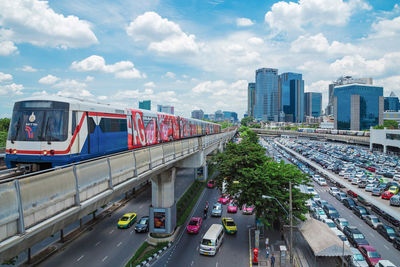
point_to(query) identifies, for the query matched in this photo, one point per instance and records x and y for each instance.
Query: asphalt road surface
(105, 244)
(234, 250)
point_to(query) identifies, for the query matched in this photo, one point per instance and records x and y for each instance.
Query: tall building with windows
(251, 99)
(291, 96)
(391, 103)
(357, 106)
(230, 116)
(165, 109)
(145, 104)
(266, 95)
(198, 114)
(313, 104)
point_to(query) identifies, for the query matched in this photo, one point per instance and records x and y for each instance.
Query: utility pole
(291, 223)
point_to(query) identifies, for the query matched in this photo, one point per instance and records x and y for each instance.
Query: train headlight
(45, 152)
(15, 151)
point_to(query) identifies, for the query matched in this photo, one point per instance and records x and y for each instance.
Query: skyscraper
(291, 96)
(357, 106)
(251, 99)
(198, 114)
(145, 104)
(312, 104)
(391, 103)
(266, 95)
(165, 109)
(230, 116)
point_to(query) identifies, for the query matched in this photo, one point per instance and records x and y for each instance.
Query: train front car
(38, 129)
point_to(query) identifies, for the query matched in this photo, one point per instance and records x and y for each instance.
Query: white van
(212, 240)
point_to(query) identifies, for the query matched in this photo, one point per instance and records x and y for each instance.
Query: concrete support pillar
(163, 191)
(205, 171)
(370, 146)
(384, 149)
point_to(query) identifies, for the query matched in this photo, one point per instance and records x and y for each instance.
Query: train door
(93, 134)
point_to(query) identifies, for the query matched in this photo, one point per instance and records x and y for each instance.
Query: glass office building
(145, 104)
(266, 95)
(358, 106)
(291, 96)
(251, 99)
(391, 103)
(313, 104)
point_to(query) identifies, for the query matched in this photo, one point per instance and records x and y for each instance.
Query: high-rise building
(165, 109)
(357, 106)
(391, 103)
(219, 115)
(266, 95)
(251, 99)
(145, 104)
(291, 96)
(198, 114)
(313, 104)
(230, 116)
(343, 81)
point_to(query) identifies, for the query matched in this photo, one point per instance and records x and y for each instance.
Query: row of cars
(128, 219)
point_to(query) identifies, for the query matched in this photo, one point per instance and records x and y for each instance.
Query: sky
(190, 54)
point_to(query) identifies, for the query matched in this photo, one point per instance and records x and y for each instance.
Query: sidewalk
(275, 242)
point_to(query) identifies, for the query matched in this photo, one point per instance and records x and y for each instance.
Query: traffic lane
(106, 244)
(233, 251)
(384, 247)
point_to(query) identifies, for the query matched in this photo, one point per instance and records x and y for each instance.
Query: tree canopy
(389, 124)
(248, 174)
(246, 120)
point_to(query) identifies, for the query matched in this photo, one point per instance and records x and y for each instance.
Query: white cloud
(33, 21)
(386, 28)
(11, 89)
(161, 35)
(319, 44)
(160, 97)
(170, 75)
(28, 68)
(4, 77)
(41, 93)
(292, 17)
(72, 88)
(102, 97)
(389, 84)
(89, 78)
(255, 41)
(150, 84)
(49, 79)
(122, 69)
(244, 22)
(7, 48)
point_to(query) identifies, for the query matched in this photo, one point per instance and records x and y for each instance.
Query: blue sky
(190, 54)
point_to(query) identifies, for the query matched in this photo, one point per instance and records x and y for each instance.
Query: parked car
(333, 191)
(393, 189)
(319, 214)
(387, 195)
(363, 200)
(351, 193)
(340, 196)
(357, 259)
(349, 203)
(194, 225)
(322, 182)
(396, 242)
(369, 187)
(341, 223)
(395, 200)
(321, 203)
(370, 254)
(385, 263)
(360, 211)
(372, 221)
(386, 231)
(142, 225)
(331, 212)
(354, 236)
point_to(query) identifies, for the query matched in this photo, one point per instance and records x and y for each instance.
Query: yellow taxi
(393, 189)
(127, 220)
(229, 225)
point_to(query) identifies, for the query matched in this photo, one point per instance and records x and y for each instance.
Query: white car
(355, 180)
(333, 191)
(369, 187)
(330, 223)
(358, 259)
(316, 197)
(396, 177)
(341, 223)
(311, 190)
(322, 182)
(319, 214)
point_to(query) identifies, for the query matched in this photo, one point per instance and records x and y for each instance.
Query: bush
(139, 256)
(185, 204)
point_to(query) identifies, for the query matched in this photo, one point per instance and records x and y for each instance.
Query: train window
(73, 122)
(113, 125)
(91, 125)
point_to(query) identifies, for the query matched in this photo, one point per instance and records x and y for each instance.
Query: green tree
(4, 124)
(246, 120)
(390, 124)
(255, 175)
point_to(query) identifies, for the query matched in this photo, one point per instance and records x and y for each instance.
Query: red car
(351, 193)
(194, 225)
(224, 199)
(246, 209)
(387, 195)
(370, 254)
(211, 184)
(232, 208)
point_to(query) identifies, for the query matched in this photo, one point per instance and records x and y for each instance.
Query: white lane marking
(132, 232)
(104, 258)
(80, 258)
(141, 206)
(192, 263)
(112, 231)
(197, 247)
(98, 243)
(216, 265)
(386, 247)
(119, 244)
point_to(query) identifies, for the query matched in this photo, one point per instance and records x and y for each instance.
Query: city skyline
(120, 53)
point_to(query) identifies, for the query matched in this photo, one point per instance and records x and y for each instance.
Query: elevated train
(47, 132)
(332, 131)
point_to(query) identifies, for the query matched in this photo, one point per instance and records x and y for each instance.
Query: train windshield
(39, 121)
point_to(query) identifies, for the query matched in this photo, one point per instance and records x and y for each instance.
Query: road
(105, 244)
(233, 252)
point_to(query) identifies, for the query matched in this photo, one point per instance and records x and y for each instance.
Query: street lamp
(290, 217)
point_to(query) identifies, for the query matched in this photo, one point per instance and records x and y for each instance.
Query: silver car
(217, 210)
(357, 259)
(395, 200)
(372, 221)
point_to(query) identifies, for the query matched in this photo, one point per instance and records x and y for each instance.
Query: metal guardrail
(29, 202)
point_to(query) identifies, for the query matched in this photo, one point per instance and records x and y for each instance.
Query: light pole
(290, 217)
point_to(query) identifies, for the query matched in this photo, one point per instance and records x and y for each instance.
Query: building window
(393, 136)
